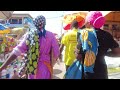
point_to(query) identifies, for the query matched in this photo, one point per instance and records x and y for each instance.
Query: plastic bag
(74, 71)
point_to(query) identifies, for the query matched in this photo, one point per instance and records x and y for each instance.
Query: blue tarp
(2, 27)
(29, 21)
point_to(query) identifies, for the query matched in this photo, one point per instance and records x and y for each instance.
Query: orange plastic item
(67, 19)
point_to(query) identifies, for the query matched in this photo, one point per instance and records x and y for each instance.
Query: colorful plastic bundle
(67, 20)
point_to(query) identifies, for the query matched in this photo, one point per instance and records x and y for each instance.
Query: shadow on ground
(57, 71)
(55, 77)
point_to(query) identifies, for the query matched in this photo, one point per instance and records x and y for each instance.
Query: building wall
(17, 20)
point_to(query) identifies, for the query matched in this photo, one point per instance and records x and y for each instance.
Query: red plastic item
(81, 23)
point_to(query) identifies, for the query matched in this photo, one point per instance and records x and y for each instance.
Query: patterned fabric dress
(33, 52)
(88, 50)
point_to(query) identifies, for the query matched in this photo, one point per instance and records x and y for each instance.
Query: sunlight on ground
(113, 70)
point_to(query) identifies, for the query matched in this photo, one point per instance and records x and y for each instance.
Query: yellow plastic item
(67, 19)
(89, 58)
(6, 31)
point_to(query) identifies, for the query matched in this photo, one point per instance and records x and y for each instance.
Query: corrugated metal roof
(5, 14)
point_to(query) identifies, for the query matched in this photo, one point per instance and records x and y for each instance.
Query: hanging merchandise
(4, 29)
(2, 44)
(3, 74)
(2, 47)
(7, 43)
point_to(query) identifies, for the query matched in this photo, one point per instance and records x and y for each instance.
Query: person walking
(69, 41)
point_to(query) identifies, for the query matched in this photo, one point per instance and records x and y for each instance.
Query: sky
(53, 18)
(47, 14)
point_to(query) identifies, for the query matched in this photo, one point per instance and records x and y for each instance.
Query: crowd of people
(85, 48)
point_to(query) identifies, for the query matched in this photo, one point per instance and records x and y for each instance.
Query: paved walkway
(114, 76)
(59, 71)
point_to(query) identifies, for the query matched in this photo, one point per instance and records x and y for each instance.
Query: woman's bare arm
(115, 52)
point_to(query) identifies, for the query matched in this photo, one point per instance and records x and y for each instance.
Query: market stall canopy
(113, 16)
(5, 14)
(68, 18)
(105, 12)
(4, 30)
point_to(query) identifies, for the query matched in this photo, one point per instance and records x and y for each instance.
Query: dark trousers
(95, 76)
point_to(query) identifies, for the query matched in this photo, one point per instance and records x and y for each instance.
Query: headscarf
(40, 23)
(95, 18)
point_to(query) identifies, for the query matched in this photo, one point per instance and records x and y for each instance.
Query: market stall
(19, 32)
(8, 40)
(7, 43)
(112, 24)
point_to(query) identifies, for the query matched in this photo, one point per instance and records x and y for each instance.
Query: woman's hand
(77, 54)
